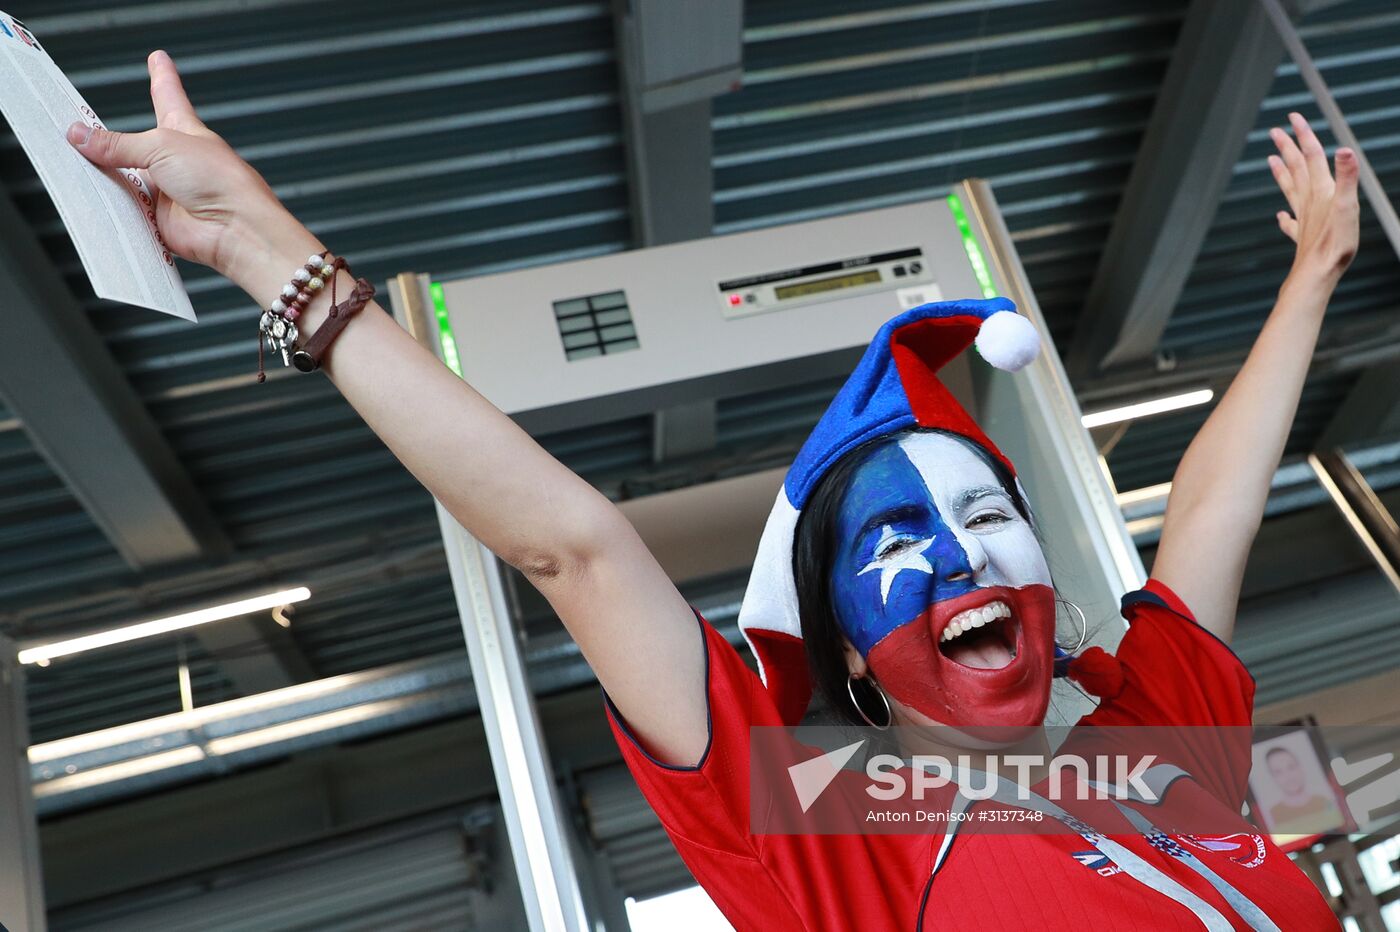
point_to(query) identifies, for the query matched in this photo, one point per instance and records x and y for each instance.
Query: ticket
(110, 215)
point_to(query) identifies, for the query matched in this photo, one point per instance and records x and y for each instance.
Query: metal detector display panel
(906, 271)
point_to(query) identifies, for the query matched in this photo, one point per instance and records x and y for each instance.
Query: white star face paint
(929, 504)
(895, 552)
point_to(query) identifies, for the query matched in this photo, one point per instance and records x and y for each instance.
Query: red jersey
(1175, 673)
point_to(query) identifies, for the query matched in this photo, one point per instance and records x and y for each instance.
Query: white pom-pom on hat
(1008, 341)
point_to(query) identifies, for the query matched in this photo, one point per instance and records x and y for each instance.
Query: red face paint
(912, 669)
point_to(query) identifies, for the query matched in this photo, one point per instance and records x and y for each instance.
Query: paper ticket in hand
(110, 215)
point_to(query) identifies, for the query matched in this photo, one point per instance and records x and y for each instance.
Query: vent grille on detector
(596, 324)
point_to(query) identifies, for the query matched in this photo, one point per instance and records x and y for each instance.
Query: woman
(921, 518)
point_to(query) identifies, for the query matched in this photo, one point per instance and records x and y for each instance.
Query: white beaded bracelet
(278, 323)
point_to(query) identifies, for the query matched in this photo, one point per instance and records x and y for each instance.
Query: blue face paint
(896, 553)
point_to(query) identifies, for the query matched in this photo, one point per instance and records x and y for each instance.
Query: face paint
(931, 544)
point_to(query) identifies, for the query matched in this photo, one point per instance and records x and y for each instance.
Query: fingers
(1319, 174)
(1288, 225)
(1348, 173)
(1292, 159)
(1284, 178)
(117, 150)
(172, 105)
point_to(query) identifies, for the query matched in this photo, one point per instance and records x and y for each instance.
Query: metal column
(535, 822)
(21, 879)
(1036, 419)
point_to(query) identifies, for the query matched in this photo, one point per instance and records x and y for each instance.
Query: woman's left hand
(1325, 218)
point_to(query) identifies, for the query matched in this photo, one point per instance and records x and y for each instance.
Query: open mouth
(981, 638)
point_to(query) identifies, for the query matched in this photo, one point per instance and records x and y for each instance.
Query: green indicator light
(445, 338)
(974, 251)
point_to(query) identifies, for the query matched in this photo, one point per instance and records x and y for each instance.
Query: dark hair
(814, 551)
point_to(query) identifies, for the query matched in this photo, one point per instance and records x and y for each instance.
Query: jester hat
(894, 386)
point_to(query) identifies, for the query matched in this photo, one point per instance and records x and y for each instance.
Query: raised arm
(632, 625)
(1222, 483)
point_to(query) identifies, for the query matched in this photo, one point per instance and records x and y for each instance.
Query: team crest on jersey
(1243, 848)
(1098, 862)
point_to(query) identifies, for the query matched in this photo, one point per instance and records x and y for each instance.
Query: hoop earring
(850, 691)
(1083, 625)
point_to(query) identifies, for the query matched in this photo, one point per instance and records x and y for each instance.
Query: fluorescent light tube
(1148, 408)
(43, 653)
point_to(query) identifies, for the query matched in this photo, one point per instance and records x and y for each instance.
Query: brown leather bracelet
(308, 358)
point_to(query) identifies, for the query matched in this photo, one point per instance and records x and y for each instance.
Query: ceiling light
(1148, 408)
(43, 653)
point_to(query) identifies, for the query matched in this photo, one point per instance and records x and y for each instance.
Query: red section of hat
(784, 660)
(919, 350)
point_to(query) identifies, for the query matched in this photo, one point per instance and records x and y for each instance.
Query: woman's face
(1287, 772)
(941, 586)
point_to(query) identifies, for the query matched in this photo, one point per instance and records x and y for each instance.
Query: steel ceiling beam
(256, 653)
(1220, 71)
(671, 185)
(674, 56)
(669, 173)
(1341, 349)
(58, 377)
(1370, 412)
(666, 101)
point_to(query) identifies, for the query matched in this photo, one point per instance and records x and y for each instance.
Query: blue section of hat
(873, 401)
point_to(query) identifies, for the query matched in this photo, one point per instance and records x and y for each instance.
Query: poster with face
(1292, 794)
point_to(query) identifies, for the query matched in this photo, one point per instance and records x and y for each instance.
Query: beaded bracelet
(278, 323)
(277, 326)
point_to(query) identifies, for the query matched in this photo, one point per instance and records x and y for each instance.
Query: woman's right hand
(214, 208)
